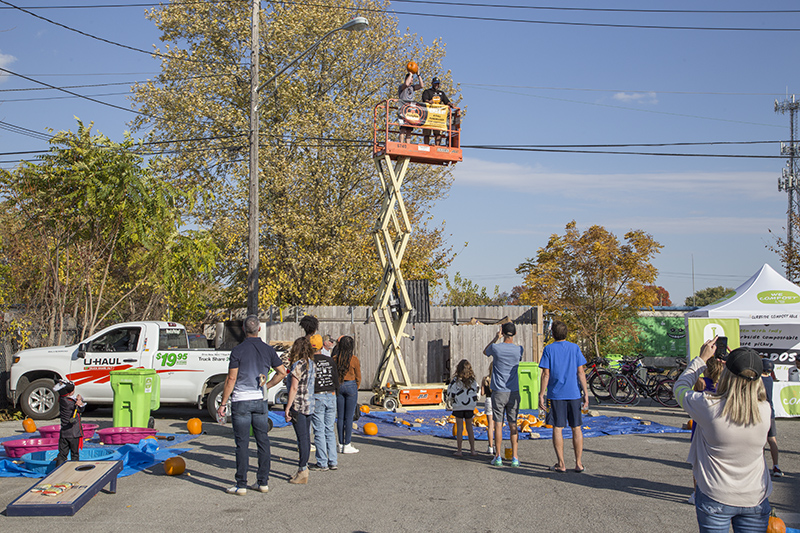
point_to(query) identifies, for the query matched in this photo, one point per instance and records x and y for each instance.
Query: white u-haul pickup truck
(188, 376)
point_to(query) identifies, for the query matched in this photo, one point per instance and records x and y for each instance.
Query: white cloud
(641, 98)
(527, 179)
(5, 61)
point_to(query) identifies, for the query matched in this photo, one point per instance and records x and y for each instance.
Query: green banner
(703, 329)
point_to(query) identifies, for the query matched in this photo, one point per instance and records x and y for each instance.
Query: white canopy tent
(768, 309)
(766, 298)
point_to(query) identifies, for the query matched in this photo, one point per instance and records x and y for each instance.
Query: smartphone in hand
(722, 348)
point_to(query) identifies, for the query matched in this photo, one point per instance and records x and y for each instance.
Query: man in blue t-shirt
(505, 388)
(249, 365)
(563, 377)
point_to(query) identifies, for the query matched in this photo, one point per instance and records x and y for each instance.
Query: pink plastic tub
(124, 435)
(52, 432)
(18, 448)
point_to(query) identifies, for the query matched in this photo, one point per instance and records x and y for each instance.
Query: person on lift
(434, 95)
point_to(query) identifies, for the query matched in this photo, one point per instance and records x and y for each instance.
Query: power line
(475, 4)
(72, 93)
(640, 91)
(573, 151)
(505, 19)
(150, 53)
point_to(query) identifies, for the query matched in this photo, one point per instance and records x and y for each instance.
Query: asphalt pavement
(411, 483)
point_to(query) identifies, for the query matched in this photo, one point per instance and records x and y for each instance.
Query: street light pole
(356, 24)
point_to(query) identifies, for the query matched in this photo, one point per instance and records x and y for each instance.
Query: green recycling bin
(137, 391)
(528, 385)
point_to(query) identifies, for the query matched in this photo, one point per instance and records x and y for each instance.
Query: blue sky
(527, 84)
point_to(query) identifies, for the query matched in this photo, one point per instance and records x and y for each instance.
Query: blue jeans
(345, 409)
(715, 517)
(324, 421)
(245, 414)
(302, 429)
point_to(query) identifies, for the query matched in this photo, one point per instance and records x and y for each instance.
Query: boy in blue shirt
(563, 377)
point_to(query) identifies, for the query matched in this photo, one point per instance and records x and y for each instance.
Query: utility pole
(253, 233)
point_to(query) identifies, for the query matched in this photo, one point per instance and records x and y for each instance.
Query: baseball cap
(767, 364)
(742, 359)
(435, 80)
(316, 341)
(509, 329)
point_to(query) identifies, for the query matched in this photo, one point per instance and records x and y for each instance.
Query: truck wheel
(39, 401)
(214, 399)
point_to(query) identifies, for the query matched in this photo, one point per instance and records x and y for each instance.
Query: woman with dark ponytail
(350, 379)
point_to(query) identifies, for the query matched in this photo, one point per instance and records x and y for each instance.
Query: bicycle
(675, 372)
(627, 385)
(598, 378)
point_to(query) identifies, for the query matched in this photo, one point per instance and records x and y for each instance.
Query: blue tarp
(595, 426)
(134, 457)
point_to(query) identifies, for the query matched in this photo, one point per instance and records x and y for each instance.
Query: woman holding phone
(733, 483)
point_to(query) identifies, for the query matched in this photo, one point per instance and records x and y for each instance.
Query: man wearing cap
(434, 95)
(564, 379)
(505, 388)
(250, 363)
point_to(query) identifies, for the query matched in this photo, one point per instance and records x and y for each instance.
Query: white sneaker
(491, 450)
(341, 448)
(690, 501)
(260, 488)
(349, 448)
(236, 490)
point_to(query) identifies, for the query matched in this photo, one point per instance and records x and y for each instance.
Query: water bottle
(221, 418)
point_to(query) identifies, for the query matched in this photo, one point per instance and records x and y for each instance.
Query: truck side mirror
(82, 350)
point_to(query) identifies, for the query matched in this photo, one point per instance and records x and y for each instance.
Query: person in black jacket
(71, 407)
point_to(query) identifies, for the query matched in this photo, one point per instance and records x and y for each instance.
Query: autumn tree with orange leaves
(594, 282)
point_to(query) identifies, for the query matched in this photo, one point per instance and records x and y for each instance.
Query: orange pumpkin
(365, 409)
(174, 466)
(29, 425)
(370, 428)
(775, 525)
(195, 426)
(412, 67)
(463, 431)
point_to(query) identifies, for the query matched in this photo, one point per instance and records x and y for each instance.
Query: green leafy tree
(594, 283)
(319, 194)
(94, 236)
(709, 296)
(463, 292)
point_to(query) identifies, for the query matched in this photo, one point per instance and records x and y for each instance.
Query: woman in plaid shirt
(300, 405)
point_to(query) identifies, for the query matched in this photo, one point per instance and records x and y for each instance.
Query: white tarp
(768, 308)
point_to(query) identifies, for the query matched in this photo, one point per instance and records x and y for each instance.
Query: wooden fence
(431, 350)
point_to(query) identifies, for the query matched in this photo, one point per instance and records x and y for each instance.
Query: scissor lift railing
(392, 306)
(387, 132)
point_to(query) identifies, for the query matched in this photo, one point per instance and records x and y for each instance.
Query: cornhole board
(87, 479)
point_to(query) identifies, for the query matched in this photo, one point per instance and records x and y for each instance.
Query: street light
(356, 24)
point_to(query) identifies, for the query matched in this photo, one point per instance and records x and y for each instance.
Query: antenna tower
(789, 181)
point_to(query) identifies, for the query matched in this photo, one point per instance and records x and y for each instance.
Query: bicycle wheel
(663, 393)
(622, 390)
(599, 383)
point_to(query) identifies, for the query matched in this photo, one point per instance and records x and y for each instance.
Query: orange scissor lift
(392, 306)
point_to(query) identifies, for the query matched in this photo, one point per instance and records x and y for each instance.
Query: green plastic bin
(528, 385)
(137, 391)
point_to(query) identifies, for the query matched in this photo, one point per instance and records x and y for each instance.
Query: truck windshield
(172, 339)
